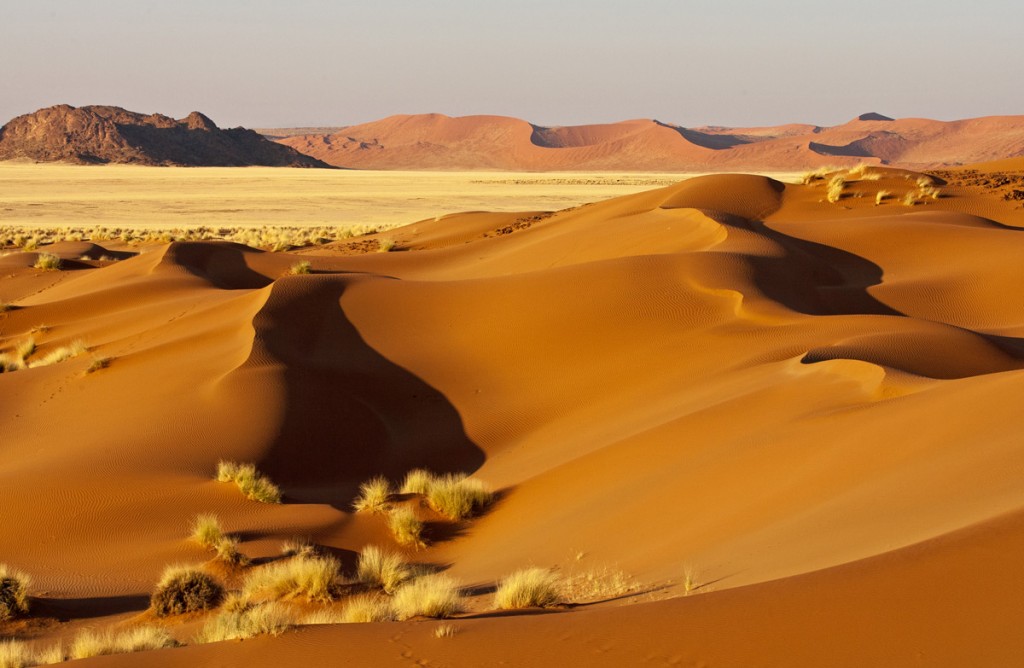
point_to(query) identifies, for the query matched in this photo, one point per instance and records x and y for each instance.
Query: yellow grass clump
(303, 267)
(367, 609)
(528, 588)
(382, 568)
(13, 593)
(417, 481)
(184, 589)
(206, 531)
(253, 484)
(881, 196)
(431, 596)
(373, 496)
(406, 527)
(74, 349)
(17, 654)
(90, 643)
(47, 262)
(313, 578)
(247, 621)
(385, 245)
(458, 496)
(298, 547)
(835, 188)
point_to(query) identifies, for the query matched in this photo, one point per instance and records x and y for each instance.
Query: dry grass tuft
(367, 609)
(227, 551)
(431, 596)
(910, 199)
(98, 364)
(47, 262)
(835, 188)
(379, 567)
(298, 547)
(881, 196)
(373, 496)
(528, 588)
(458, 496)
(17, 654)
(385, 245)
(246, 621)
(596, 584)
(417, 481)
(253, 484)
(444, 631)
(206, 531)
(185, 589)
(89, 643)
(13, 593)
(61, 354)
(304, 267)
(406, 527)
(326, 616)
(313, 578)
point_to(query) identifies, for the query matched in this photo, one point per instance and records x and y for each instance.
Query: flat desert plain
(733, 421)
(50, 195)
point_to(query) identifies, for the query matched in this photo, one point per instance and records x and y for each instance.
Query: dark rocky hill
(100, 134)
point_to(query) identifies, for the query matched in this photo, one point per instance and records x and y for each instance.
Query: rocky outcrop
(101, 134)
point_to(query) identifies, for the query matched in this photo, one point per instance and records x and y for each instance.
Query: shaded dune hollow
(788, 421)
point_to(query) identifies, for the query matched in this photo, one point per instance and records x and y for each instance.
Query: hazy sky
(555, 62)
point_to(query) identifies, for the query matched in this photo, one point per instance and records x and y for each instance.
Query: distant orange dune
(751, 423)
(435, 141)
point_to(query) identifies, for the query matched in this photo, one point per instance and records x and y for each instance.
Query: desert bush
(47, 262)
(253, 484)
(379, 567)
(366, 609)
(528, 588)
(881, 196)
(373, 496)
(185, 589)
(227, 551)
(246, 622)
(13, 593)
(206, 531)
(417, 481)
(406, 527)
(303, 267)
(313, 578)
(90, 643)
(930, 191)
(385, 245)
(431, 596)
(910, 199)
(458, 496)
(61, 354)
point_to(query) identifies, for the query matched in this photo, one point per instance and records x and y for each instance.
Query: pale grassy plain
(127, 196)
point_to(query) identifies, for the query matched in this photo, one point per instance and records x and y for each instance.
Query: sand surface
(792, 424)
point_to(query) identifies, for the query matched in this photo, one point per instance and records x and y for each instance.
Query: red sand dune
(435, 141)
(811, 408)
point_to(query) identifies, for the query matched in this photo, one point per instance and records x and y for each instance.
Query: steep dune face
(103, 134)
(790, 417)
(434, 141)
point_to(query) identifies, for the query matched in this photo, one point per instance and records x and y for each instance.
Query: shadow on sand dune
(350, 413)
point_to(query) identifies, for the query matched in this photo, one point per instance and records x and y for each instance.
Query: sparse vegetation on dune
(458, 496)
(185, 589)
(528, 588)
(430, 596)
(385, 245)
(98, 364)
(13, 593)
(444, 631)
(246, 621)
(417, 481)
(373, 496)
(312, 578)
(910, 199)
(18, 654)
(206, 530)
(48, 262)
(253, 484)
(303, 267)
(881, 196)
(90, 643)
(367, 609)
(382, 568)
(406, 527)
(836, 185)
(595, 584)
(298, 547)
(61, 354)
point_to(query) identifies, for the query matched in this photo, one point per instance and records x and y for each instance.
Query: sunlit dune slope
(797, 405)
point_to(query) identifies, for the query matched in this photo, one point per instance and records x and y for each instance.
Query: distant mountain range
(100, 134)
(435, 141)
